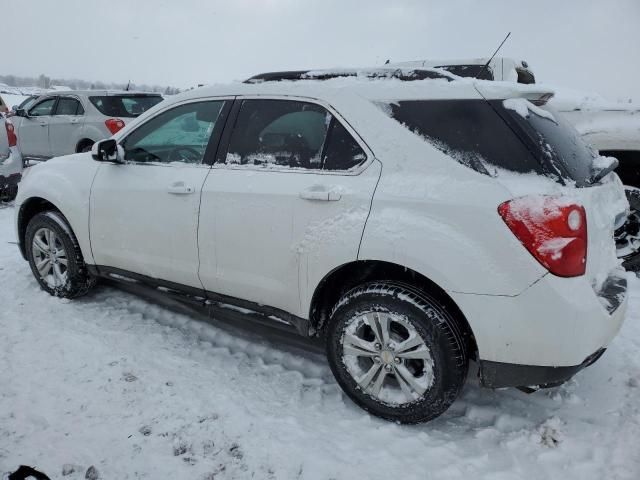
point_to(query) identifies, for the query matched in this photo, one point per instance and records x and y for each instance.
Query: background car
(11, 164)
(3, 106)
(61, 123)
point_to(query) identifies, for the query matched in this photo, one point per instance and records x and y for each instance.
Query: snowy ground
(138, 391)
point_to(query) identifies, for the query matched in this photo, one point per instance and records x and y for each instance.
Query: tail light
(552, 229)
(11, 133)
(114, 125)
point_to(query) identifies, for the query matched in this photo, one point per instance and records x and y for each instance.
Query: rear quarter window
(469, 131)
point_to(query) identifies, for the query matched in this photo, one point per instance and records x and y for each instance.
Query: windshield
(27, 103)
(125, 105)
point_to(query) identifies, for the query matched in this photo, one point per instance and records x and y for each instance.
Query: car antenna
(128, 85)
(486, 65)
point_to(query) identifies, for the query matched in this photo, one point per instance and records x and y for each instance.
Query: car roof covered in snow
(376, 84)
(98, 93)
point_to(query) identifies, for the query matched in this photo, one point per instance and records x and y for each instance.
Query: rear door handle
(320, 193)
(180, 188)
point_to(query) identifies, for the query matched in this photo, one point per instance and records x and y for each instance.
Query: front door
(285, 203)
(64, 126)
(33, 130)
(144, 213)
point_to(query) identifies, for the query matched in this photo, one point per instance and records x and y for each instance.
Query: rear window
(124, 105)
(474, 71)
(486, 136)
(553, 139)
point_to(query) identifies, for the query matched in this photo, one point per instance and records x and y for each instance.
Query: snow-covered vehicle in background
(408, 221)
(612, 128)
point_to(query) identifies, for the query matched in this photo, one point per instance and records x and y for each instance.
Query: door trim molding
(215, 305)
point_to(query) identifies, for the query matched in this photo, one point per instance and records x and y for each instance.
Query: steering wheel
(184, 154)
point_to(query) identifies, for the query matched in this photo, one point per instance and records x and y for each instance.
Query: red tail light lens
(11, 133)
(114, 125)
(552, 229)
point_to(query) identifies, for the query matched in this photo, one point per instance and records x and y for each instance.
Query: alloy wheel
(386, 356)
(50, 258)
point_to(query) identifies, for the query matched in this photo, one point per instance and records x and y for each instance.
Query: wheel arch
(347, 276)
(29, 209)
(83, 143)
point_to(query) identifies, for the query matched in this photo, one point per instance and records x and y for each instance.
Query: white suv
(411, 222)
(60, 123)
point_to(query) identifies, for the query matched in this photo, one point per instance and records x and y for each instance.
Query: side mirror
(20, 112)
(107, 151)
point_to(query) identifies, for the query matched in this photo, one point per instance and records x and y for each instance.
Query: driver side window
(179, 135)
(43, 108)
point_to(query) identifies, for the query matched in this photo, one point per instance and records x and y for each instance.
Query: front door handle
(320, 193)
(180, 188)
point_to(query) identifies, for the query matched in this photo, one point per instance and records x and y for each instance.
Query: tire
(440, 372)
(85, 147)
(67, 281)
(628, 236)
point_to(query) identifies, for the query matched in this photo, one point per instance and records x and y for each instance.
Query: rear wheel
(55, 257)
(396, 351)
(85, 146)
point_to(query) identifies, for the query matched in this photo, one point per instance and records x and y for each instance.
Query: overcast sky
(591, 45)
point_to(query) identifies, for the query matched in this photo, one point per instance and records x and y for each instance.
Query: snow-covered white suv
(410, 221)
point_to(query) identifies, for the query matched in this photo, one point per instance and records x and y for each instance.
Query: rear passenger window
(293, 134)
(69, 106)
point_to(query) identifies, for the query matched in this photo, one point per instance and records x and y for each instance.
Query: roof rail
(405, 74)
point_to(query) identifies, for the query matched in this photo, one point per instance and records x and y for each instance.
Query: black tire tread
(80, 281)
(448, 326)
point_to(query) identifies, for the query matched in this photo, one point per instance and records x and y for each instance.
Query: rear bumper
(499, 375)
(547, 333)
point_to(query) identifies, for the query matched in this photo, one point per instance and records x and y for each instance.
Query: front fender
(64, 182)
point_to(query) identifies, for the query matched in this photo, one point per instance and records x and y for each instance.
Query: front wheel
(396, 352)
(55, 257)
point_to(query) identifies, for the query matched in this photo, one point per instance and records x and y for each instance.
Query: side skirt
(214, 305)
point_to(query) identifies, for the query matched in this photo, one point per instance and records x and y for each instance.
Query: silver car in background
(61, 123)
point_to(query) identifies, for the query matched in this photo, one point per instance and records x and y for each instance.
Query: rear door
(64, 125)
(144, 213)
(33, 130)
(285, 203)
